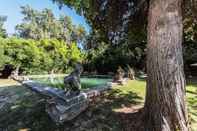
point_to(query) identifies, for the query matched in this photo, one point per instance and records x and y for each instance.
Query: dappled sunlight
(7, 82)
(82, 65)
(110, 111)
(22, 109)
(103, 113)
(191, 92)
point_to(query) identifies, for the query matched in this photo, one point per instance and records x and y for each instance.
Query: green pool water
(85, 82)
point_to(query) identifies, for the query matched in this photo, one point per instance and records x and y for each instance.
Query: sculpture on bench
(72, 82)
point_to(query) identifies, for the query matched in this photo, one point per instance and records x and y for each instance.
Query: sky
(11, 9)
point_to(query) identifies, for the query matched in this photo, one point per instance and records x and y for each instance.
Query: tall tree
(78, 34)
(165, 108)
(2, 30)
(67, 28)
(43, 25)
(30, 27)
(2, 56)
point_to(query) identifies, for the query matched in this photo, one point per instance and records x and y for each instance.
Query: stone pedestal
(61, 111)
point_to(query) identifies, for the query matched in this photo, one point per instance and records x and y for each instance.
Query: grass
(138, 87)
(126, 98)
(135, 86)
(192, 102)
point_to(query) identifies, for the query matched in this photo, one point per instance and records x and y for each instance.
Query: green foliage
(74, 53)
(56, 53)
(118, 35)
(111, 19)
(106, 58)
(46, 44)
(43, 25)
(36, 57)
(127, 21)
(2, 30)
(190, 35)
(22, 53)
(2, 57)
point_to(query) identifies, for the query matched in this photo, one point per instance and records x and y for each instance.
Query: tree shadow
(117, 99)
(105, 112)
(26, 110)
(20, 108)
(192, 92)
(130, 116)
(192, 99)
(192, 108)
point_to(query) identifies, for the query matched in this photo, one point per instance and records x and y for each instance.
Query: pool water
(85, 82)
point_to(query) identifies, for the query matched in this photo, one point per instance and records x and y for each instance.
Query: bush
(36, 57)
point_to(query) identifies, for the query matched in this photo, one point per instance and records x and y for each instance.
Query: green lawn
(122, 100)
(192, 102)
(138, 87)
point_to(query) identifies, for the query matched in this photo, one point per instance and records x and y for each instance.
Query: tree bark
(165, 108)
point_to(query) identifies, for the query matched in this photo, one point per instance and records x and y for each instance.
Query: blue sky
(11, 9)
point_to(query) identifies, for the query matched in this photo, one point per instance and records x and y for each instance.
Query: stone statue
(131, 73)
(119, 75)
(72, 82)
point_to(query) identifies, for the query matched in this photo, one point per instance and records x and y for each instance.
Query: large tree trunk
(165, 108)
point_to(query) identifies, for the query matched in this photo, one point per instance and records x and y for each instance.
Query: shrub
(36, 57)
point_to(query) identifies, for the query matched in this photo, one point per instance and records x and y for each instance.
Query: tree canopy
(114, 17)
(123, 24)
(43, 25)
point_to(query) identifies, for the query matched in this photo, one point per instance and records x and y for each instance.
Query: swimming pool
(86, 82)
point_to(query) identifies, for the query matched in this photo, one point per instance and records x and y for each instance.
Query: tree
(165, 108)
(37, 56)
(113, 22)
(37, 24)
(78, 34)
(23, 55)
(66, 29)
(115, 17)
(2, 56)
(126, 21)
(2, 30)
(43, 25)
(54, 55)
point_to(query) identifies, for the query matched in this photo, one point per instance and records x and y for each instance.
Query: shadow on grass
(192, 100)
(22, 109)
(102, 116)
(192, 108)
(117, 99)
(26, 110)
